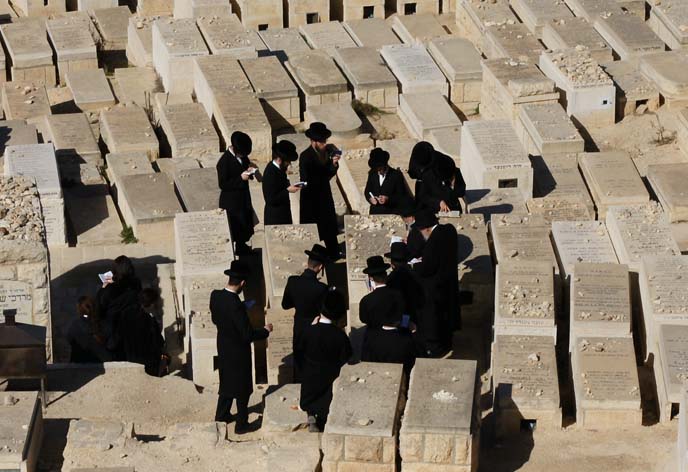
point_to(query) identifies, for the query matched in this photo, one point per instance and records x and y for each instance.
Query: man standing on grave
(439, 275)
(382, 303)
(385, 190)
(305, 293)
(404, 280)
(234, 170)
(276, 186)
(419, 164)
(445, 185)
(234, 338)
(322, 350)
(317, 165)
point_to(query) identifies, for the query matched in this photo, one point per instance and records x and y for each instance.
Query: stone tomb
(513, 41)
(371, 32)
(557, 176)
(441, 425)
(508, 84)
(487, 202)
(201, 8)
(226, 35)
(90, 89)
(189, 131)
(175, 44)
(30, 54)
(447, 141)
(669, 20)
(638, 231)
(93, 216)
(76, 148)
(363, 424)
(72, 38)
(16, 132)
(197, 188)
(259, 14)
(371, 80)
(671, 368)
(418, 29)
(632, 88)
(612, 179)
(216, 74)
(605, 382)
(277, 92)
(243, 111)
(318, 78)
(546, 129)
(282, 413)
(24, 101)
(121, 164)
(665, 70)
(283, 256)
(126, 128)
(352, 176)
(524, 299)
(627, 34)
(414, 68)
(668, 183)
(21, 431)
(475, 16)
(459, 60)
(573, 32)
(139, 49)
(493, 157)
(526, 387)
(581, 241)
(193, 301)
(591, 9)
(588, 93)
(600, 301)
(535, 14)
(326, 36)
(283, 42)
(303, 12)
(149, 205)
(563, 208)
(136, 85)
(405, 7)
(340, 117)
(425, 112)
(113, 26)
(202, 339)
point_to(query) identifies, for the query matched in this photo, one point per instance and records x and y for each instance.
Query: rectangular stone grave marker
(557, 175)
(197, 188)
(113, 24)
(627, 34)
(511, 41)
(126, 163)
(127, 128)
(459, 60)
(24, 101)
(227, 36)
(30, 54)
(414, 68)
(175, 43)
(568, 33)
(522, 238)
(671, 366)
(189, 130)
(418, 29)
(21, 431)
(283, 42)
(581, 241)
(35, 161)
(425, 112)
(76, 148)
(562, 208)
(202, 243)
(140, 40)
(136, 85)
(16, 295)
(327, 36)
(668, 21)
(474, 16)
(203, 348)
(546, 129)
(370, 78)
(72, 38)
(535, 14)
(496, 201)
(667, 181)
(318, 77)
(260, 14)
(282, 412)
(371, 32)
(90, 89)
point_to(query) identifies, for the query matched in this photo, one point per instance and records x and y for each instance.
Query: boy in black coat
(385, 189)
(234, 170)
(141, 335)
(234, 338)
(405, 281)
(322, 350)
(276, 186)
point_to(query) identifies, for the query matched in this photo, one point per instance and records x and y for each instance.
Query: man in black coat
(305, 293)
(322, 350)
(234, 337)
(420, 162)
(444, 185)
(276, 186)
(385, 189)
(234, 170)
(141, 334)
(404, 280)
(439, 274)
(317, 165)
(414, 239)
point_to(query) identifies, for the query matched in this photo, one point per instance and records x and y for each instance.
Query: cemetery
(565, 326)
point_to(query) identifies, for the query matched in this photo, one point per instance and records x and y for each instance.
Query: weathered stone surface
(30, 54)
(14, 132)
(226, 35)
(459, 60)
(24, 101)
(126, 128)
(591, 9)
(581, 241)
(72, 38)
(475, 16)
(21, 433)
(627, 34)
(283, 42)
(76, 148)
(340, 117)
(318, 77)
(189, 131)
(671, 367)
(175, 44)
(139, 49)
(668, 20)
(370, 78)
(667, 182)
(202, 243)
(425, 112)
(664, 70)
(197, 188)
(573, 32)
(276, 90)
(414, 68)
(535, 14)
(120, 164)
(326, 36)
(282, 411)
(93, 215)
(417, 29)
(113, 24)
(546, 129)
(98, 435)
(557, 175)
(260, 14)
(496, 201)
(475, 261)
(371, 32)
(512, 41)
(202, 8)
(90, 89)
(137, 85)
(562, 208)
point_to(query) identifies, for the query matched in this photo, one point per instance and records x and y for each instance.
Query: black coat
(421, 174)
(305, 293)
(234, 337)
(235, 196)
(393, 187)
(316, 201)
(84, 346)
(321, 352)
(406, 282)
(435, 190)
(395, 346)
(142, 341)
(415, 243)
(384, 305)
(111, 301)
(277, 206)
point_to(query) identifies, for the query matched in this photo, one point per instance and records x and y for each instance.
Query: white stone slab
(581, 241)
(414, 68)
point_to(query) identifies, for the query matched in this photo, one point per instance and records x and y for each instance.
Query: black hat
(376, 266)
(378, 158)
(319, 253)
(241, 142)
(422, 153)
(445, 166)
(238, 270)
(317, 131)
(398, 252)
(425, 219)
(334, 304)
(407, 208)
(285, 150)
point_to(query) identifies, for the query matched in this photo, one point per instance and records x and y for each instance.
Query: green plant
(366, 109)
(127, 235)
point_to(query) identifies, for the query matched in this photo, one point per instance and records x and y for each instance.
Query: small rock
(364, 421)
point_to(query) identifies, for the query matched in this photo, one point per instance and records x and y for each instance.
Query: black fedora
(376, 265)
(425, 219)
(318, 253)
(285, 150)
(317, 131)
(334, 304)
(241, 143)
(378, 158)
(398, 252)
(238, 270)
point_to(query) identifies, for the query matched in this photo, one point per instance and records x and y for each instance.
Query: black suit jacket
(406, 282)
(393, 187)
(384, 305)
(234, 337)
(235, 196)
(305, 293)
(395, 346)
(435, 190)
(277, 207)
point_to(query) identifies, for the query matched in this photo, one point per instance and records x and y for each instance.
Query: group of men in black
(411, 311)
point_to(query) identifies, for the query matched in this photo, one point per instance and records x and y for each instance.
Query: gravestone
(670, 367)
(16, 295)
(557, 175)
(139, 48)
(21, 430)
(24, 101)
(214, 74)
(612, 179)
(282, 412)
(318, 78)
(638, 231)
(202, 8)
(475, 16)
(546, 129)
(227, 36)
(362, 427)
(441, 425)
(90, 89)
(581, 241)
(326, 36)
(283, 42)
(414, 68)
(492, 157)
(668, 20)
(591, 9)
(127, 128)
(418, 29)
(560, 208)
(197, 188)
(260, 14)
(600, 301)
(16, 132)
(93, 216)
(113, 25)
(72, 38)
(511, 41)
(194, 297)
(569, 33)
(487, 202)
(352, 176)
(76, 148)
(303, 12)
(425, 112)
(627, 34)
(447, 141)
(30, 54)
(371, 80)
(340, 117)
(243, 111)
(371, 32)
(459, 60)
(137, 85)
(535, 14)
(189, 131)
(664, 70)
(121, 164)
(203, 348)
(358, 10)
(605, 381)
(154, 7)
(667, 183)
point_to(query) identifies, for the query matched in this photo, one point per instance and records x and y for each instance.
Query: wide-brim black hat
(318, 253)
(378, 158)
(238, 270)
(334, 304)
(241, 142)
(422, 152)
(317, 131)
(408, 208)
(285, 150)
(376, 265)
(425, 219)
(398, 252)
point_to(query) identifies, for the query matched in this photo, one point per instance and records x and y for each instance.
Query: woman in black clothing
(86, 342)
(443, 186)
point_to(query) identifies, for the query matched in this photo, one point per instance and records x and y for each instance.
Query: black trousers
(224, 406)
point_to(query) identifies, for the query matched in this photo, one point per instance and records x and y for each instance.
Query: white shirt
(230, 291)
(379, 286)
(324, 320)
(276, 165)
(382, 178)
